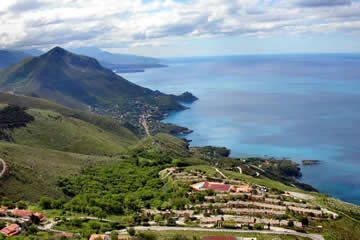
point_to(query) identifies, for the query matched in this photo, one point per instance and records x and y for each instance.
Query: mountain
(76, 81)
(119, 62)
(9, 57)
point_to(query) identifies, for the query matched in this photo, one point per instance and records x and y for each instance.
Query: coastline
(291, 181)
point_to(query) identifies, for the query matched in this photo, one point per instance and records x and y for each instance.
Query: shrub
(259, 226)
(146, 236)
(131, 231)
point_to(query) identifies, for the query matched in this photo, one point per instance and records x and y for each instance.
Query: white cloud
(132, 23)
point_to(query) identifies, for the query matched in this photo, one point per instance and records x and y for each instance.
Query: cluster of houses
(21, 216)
(239, 203)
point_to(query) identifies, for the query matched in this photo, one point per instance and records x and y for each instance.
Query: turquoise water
(302, 107)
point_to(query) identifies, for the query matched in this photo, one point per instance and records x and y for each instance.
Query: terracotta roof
(21, 213)
(219, 187)
(11, 230)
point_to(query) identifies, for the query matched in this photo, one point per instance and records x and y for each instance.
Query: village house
(3, 211)
(11, 230)
(215, 186)
(28, 215)
(241, 188)
(20, 213)
(99, 236)
(65, 235)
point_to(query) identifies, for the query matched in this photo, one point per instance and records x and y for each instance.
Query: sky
(165, 28)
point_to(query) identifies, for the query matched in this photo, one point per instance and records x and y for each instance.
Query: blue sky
(183, 27)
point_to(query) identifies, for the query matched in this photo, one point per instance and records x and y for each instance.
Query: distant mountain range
(9, 57)
(119, 62)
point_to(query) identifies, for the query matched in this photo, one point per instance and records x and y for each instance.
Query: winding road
(276, 231)
(2, 167)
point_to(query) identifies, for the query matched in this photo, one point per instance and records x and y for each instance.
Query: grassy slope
(33, 171)
(104, 123)
(162, 144)
(55, 131)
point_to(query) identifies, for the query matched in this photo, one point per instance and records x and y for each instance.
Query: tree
(131, 231)
(2, 225)
(21, 205)
(147, 236)
(32, 229)
(305, 221)
(45, 203)
(114, 235)
(290, 224)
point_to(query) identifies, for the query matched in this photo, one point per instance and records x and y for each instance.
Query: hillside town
(222, 203)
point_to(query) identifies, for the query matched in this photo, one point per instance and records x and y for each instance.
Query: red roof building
(40, 216)
(215, 186)
(11, 230)
(21, 213)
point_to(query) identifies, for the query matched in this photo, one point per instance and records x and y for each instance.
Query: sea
(299, 106)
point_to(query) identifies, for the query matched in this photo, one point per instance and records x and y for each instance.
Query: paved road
(276, 232)
(2, 167)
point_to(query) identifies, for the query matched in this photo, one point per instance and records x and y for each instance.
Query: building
(11, 230)
(215, 186)
(65, 235)
(3, 211)
(99, 236)
(241, 188)
(21, 213)
(40, 216)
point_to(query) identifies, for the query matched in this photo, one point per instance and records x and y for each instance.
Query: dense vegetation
(13, 117)
(121, 189)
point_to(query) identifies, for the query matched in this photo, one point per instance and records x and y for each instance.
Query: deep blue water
(297, 106)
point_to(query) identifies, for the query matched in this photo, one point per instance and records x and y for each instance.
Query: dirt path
(143, 122)
(2, 167)
(277, 231)
(222, 174)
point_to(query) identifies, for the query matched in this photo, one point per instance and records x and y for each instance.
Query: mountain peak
(57, 51)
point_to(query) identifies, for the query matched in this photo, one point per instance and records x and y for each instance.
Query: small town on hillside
(223, 203)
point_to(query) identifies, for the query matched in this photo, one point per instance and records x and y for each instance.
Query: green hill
(69, 133)
(101, 122)
(33, 172)
(55, 131)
